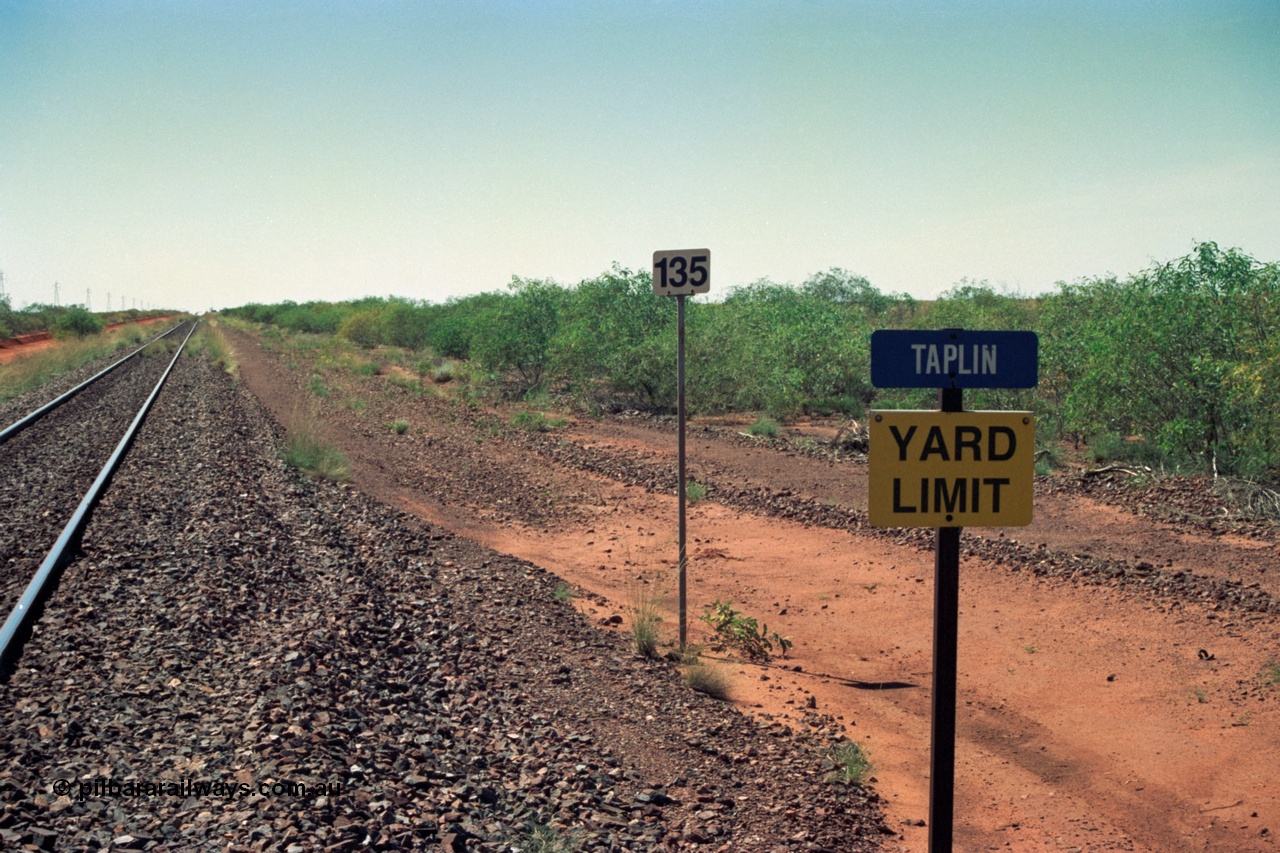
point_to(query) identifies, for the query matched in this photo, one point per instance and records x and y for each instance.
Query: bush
(364, 328)
(514, 336)
(77, 322)
(405, 324)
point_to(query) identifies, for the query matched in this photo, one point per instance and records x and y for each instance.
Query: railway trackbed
(61, 452)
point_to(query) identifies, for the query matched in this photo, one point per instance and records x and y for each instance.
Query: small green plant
(764, 428)
(1047, 460)
(562, 592)
(548, 839)
(1271, 671)
(399, 427)
(1031, 649)
(537, 422)
(744, 633)
(408, 383)
(703, 678)
(1201, 696)
(368, 368)
(694, 491)
(849, 763)
(317, 387)
(355, 404)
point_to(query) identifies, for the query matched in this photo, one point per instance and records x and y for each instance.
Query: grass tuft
(849, 762)
(399, 427)
(31, 371)
(444, 373)
(708, 679)
(307, 451)
(210, 341)
(644, 621)
(548, 839)
(537, 422)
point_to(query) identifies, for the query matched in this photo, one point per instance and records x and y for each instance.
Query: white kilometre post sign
(681, 273)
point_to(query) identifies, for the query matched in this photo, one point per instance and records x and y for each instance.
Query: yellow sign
(951, 469)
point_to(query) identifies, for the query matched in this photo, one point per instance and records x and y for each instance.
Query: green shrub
(694, 491)
(364, 328)
(764, 428)
(743, 632)
(78, 323)
(513, 338)
(406, 324)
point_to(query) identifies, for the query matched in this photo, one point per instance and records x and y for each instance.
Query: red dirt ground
(1088, 718)
(12, 349)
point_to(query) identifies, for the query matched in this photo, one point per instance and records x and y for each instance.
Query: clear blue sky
(197, 154)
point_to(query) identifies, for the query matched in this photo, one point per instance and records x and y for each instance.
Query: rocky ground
(1126, 635)
(245, 659)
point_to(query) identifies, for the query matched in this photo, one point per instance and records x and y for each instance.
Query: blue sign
(954, 358)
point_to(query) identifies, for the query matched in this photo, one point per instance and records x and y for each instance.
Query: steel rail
(19, 425)
(18, 627)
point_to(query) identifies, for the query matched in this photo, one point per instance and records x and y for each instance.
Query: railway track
(59, 460)
(245, 660)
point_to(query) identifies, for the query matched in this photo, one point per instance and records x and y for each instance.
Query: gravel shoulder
(234, 625)
(1081, 636)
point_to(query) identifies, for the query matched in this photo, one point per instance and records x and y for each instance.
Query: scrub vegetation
(1174, 368)
(62, 320)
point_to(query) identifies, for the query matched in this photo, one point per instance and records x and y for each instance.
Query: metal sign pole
(946, 613)
(683, 560)
(681, 273)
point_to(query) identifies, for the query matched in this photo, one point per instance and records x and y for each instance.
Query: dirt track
(1110, 696)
